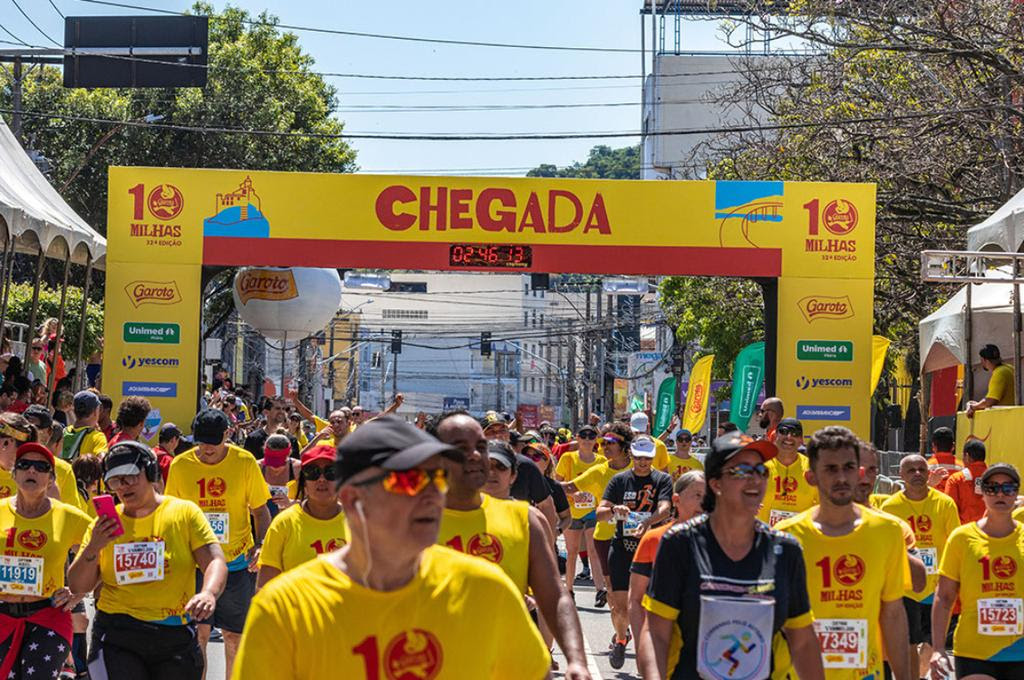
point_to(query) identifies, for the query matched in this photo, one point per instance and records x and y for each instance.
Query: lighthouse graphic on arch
(238, 214)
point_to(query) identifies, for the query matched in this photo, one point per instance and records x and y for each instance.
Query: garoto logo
(1004, 567)
(132, 362)
(849, 570)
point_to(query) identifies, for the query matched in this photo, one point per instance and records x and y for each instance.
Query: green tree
(19, 307)
(259, 78)
(603, 162)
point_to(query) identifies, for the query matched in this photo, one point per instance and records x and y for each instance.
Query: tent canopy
(942, 338)
(37, 216)
(1003, 230)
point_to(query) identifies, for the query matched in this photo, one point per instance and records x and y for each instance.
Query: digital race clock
(485, 255)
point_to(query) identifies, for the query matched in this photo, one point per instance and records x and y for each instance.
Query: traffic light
(396, 342)
(485, 344)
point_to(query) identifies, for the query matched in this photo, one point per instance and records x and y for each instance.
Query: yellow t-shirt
(594, 481)
(315, 622)
(46, 538)
(94, 442)
(1001, 386)
(295, 537)
(67, 485)
(990, 572)
(848, 578)
(320, 424)
(179, 528)
(498, 531)
(225, 492)
(788, 492)
(1018, 514)
(932, 519)
(877, 500)
(570, 467)
(660, 455)
(677, 466)
(7, 486)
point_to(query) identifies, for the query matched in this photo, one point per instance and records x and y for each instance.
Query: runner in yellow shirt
(226, 483)
(411, 609)
(512, 534)
(583, 506)
(36, 534)
(640, 423)
(856, 565)
(933, 516)
(682, 461)
(789, 493)
(983, 565)
(313, 526)
(85, 436)
(146, 611)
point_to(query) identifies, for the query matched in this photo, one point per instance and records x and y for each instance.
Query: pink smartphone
(104, 504)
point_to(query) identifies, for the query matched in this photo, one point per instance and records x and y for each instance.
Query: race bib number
(138, 562)
(930, 559)
(776, 516)
(844, 642)
(632, 524)
(1001, 616)
(584, 500)
(21, 575)
(221, 523)
(278, 490)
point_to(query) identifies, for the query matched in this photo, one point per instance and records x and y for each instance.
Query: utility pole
(380, 365)
(394, 376)
(587, 358)
(598, 337)
(574, 405)
(16, 99)
(497, 373)
(608, 386)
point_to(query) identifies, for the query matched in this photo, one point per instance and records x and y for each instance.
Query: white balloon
(297, 301)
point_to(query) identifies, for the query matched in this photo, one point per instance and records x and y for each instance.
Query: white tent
(942, 338)
(37, 216)
(1003, 230)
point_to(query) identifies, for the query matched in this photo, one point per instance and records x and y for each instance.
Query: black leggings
(125, 648)
(42, 650)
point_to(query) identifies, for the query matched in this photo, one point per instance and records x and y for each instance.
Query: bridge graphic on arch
(739, 206)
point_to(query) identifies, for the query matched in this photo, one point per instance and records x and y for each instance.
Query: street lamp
(367, 281)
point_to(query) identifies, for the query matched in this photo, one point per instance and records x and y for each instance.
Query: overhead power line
(57, 9)
(386, 36)
(34, 24)
(517, 136)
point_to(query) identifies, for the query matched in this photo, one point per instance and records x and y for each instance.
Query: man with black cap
(167, 446)
(509, 533)
(84, 437)
(680, 461)
(226, 483)
(789, 493)
(1002, 389)
(391, 603)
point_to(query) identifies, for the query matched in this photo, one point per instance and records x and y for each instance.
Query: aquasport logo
(238, 214)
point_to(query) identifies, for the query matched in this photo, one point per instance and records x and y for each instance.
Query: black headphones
(144, 458)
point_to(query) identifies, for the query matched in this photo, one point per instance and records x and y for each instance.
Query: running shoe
(584, 576)
(601, 598)
(618, 656)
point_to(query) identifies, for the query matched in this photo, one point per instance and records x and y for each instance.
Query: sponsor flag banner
(879, 348)
(747, 380)
(621, 397)
(697, 394)
(637, 404)
(665, 406)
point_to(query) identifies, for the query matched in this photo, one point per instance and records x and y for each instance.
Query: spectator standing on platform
(1001, 386)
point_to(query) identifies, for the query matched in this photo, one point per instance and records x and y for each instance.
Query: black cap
(126, 458)
(40, 413)
(731, 443)
(168, 432)
(684, 433)
(503, 453)
(210, 426)
(586, 427)
(514, 436)
(493, 418)
(391, 443)
(1000, 469)
(790, 423)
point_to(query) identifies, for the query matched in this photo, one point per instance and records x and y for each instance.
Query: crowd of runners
(369, 547)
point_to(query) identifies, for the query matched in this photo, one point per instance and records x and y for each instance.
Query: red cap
(318, 452)
(276, 457)
(34, 447)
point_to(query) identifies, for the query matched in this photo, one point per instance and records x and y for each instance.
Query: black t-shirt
(639, 494)
(256, 440)
(530, 484)
(687, 550)
(558, 496)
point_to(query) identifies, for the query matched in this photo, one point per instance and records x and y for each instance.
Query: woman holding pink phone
(36, 533)
(146, 555)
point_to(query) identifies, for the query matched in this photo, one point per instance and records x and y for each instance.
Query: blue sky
(597, 23)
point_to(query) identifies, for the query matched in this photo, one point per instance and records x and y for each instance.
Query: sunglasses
(684, 440)
(745, 471)
(536, 456)
(410, 482)
(315, 472)
(1006, 489)
(37, 465)
(790, 430)
(588, 435)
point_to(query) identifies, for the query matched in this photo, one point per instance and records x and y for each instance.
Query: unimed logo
(153, 293)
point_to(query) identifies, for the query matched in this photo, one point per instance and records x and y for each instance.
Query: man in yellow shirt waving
(1002, 389)
(391, 604)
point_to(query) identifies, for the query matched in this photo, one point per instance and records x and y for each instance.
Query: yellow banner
(697, 394)
(879, 348)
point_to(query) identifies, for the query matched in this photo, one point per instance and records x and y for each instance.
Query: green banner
(747, 380)
(637, 404)
(666, 406)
